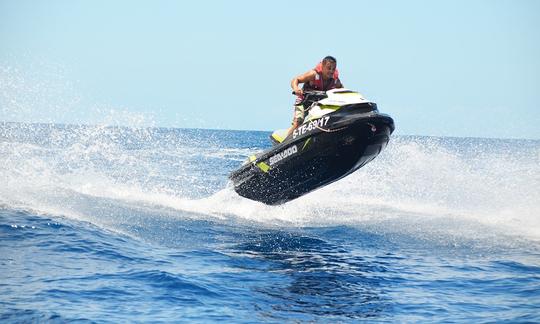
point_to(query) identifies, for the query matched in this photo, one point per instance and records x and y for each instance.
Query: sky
(439, 68)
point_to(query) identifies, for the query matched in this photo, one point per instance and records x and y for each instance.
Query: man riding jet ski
(323, 77)
(340, 133)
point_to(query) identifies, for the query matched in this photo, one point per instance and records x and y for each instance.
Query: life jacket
(318, 83)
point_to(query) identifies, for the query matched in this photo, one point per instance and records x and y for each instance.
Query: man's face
(328, 69)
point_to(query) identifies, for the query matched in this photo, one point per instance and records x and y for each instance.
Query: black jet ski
(341, 133)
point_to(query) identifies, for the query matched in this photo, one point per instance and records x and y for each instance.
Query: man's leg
(298, 118)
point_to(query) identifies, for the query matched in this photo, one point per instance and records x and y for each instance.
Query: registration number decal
(321, 122)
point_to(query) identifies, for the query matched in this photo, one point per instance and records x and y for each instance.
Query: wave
(418, 185)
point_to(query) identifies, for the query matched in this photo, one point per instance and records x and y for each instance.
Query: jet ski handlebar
(312, 96)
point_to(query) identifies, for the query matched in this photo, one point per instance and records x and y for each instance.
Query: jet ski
(341, 133)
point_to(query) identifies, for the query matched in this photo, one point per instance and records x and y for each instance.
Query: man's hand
(299, 92)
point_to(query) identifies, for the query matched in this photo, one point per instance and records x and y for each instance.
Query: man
(323, 77)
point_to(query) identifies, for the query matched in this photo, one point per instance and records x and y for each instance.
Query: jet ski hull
(316, 157)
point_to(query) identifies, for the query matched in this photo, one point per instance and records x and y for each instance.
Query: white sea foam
(416, 181)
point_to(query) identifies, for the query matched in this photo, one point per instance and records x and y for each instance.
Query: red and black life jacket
(319, 83)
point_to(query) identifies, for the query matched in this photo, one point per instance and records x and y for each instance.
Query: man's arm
(303, 78)
(339, 84)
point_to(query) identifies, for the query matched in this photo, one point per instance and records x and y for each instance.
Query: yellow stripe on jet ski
(263, 166)
(278, 138)
(332, 107)
(306, 143)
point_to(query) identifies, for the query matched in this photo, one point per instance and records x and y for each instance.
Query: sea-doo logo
(283, 154)
(317, 123)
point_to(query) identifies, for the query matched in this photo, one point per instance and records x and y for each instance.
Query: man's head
(328, 67)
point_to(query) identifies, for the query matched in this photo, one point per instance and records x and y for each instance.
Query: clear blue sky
(451, 68)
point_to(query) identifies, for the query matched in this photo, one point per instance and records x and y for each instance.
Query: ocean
(124, 224)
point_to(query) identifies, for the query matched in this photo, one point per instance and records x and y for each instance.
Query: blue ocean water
(118, 224)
